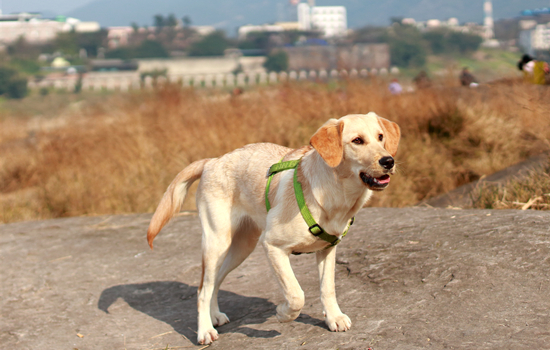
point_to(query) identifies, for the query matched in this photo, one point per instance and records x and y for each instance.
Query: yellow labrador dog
(348, 159)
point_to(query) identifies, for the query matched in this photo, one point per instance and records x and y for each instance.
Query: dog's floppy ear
(327, 141)
(393, 134)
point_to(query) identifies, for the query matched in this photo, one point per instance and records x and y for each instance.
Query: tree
(159, 22)
(369, 34)
(22, 49)
(171, 21)
(147, 49)
(255, 41)
(407, 47)
(65, 42)
(70, 43)
(437, 41)
(276, 61)
(91, 42)
(186, 21)
(214, 44)
(407, 54)
(6, 76)
(151, 49)
(464, 42)
(11, 84)
(449, 41)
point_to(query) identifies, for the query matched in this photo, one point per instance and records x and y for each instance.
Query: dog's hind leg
(216, 241)
(243, 243)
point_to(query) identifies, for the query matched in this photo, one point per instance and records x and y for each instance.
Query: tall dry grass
(118, 154)
(531, 191)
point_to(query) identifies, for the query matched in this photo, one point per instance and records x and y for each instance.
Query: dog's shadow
(175, 303)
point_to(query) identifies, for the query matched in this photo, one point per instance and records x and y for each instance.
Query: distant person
(394, 87)
(526, 64)
(535, 71)
(467, 79)
(422, 80)
(238, 91)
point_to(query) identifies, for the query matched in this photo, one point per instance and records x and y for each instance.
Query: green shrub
(407, 47)
(11, 84)
(44, 91)
(17, 88)
(276, 62)
(147, 49)
(447, 41)
(213, 44)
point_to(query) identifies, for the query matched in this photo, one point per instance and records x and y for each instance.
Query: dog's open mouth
(375, 183)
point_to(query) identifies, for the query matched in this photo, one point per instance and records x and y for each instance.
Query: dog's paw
(219, 319)
(207, 337)
(340, 323)
(284, 314)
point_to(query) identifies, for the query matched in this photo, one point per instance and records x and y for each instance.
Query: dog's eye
(380, 137)
(358, 141)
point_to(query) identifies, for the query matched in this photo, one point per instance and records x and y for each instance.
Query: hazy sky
(207, 12)
(55, 6)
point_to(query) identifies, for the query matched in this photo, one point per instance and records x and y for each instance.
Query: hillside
(229, 14)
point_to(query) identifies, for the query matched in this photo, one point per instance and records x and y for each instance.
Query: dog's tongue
(385, 179)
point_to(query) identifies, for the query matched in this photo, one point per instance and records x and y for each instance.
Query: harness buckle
(316, 230)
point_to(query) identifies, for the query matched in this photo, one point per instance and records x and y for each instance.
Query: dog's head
(360, 145)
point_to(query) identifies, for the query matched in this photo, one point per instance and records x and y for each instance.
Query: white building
(34, 29)
(87, 27)
(535, 39)
(273, 28)
(246, 29)
(488, 22)
(118, 36)
(331, 20)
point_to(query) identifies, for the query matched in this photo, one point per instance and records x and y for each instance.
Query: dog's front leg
(334, 318)
(293, 293)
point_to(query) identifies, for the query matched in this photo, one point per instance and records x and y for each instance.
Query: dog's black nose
(386, 162)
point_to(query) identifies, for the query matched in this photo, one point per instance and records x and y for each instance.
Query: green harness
(314, 228)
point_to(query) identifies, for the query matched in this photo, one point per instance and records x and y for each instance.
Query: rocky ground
(413, 278)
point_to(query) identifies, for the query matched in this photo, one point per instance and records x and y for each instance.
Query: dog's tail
(170, 203)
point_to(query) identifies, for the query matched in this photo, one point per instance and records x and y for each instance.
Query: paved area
(413, 278)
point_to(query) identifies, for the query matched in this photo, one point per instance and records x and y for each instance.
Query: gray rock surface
(412, 278)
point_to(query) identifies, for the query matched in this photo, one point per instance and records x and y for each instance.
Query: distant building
(331, 20)
(358, 56)
(433, 23)
(451, 23)
(536, 12)
(87, 27)
(488, 22)
(204, 30)
(276, 27)
(247, 29)
(118, 36)
(535, 38)
(34, 29)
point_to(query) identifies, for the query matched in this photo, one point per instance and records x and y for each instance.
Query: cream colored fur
(231, 205)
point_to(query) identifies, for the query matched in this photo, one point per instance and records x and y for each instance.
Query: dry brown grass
(528, 192)
(119, 153)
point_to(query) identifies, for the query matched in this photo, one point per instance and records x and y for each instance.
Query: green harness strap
(314, 228)
(274, 169)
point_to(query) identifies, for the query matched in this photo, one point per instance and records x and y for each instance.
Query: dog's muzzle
(375, 183)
